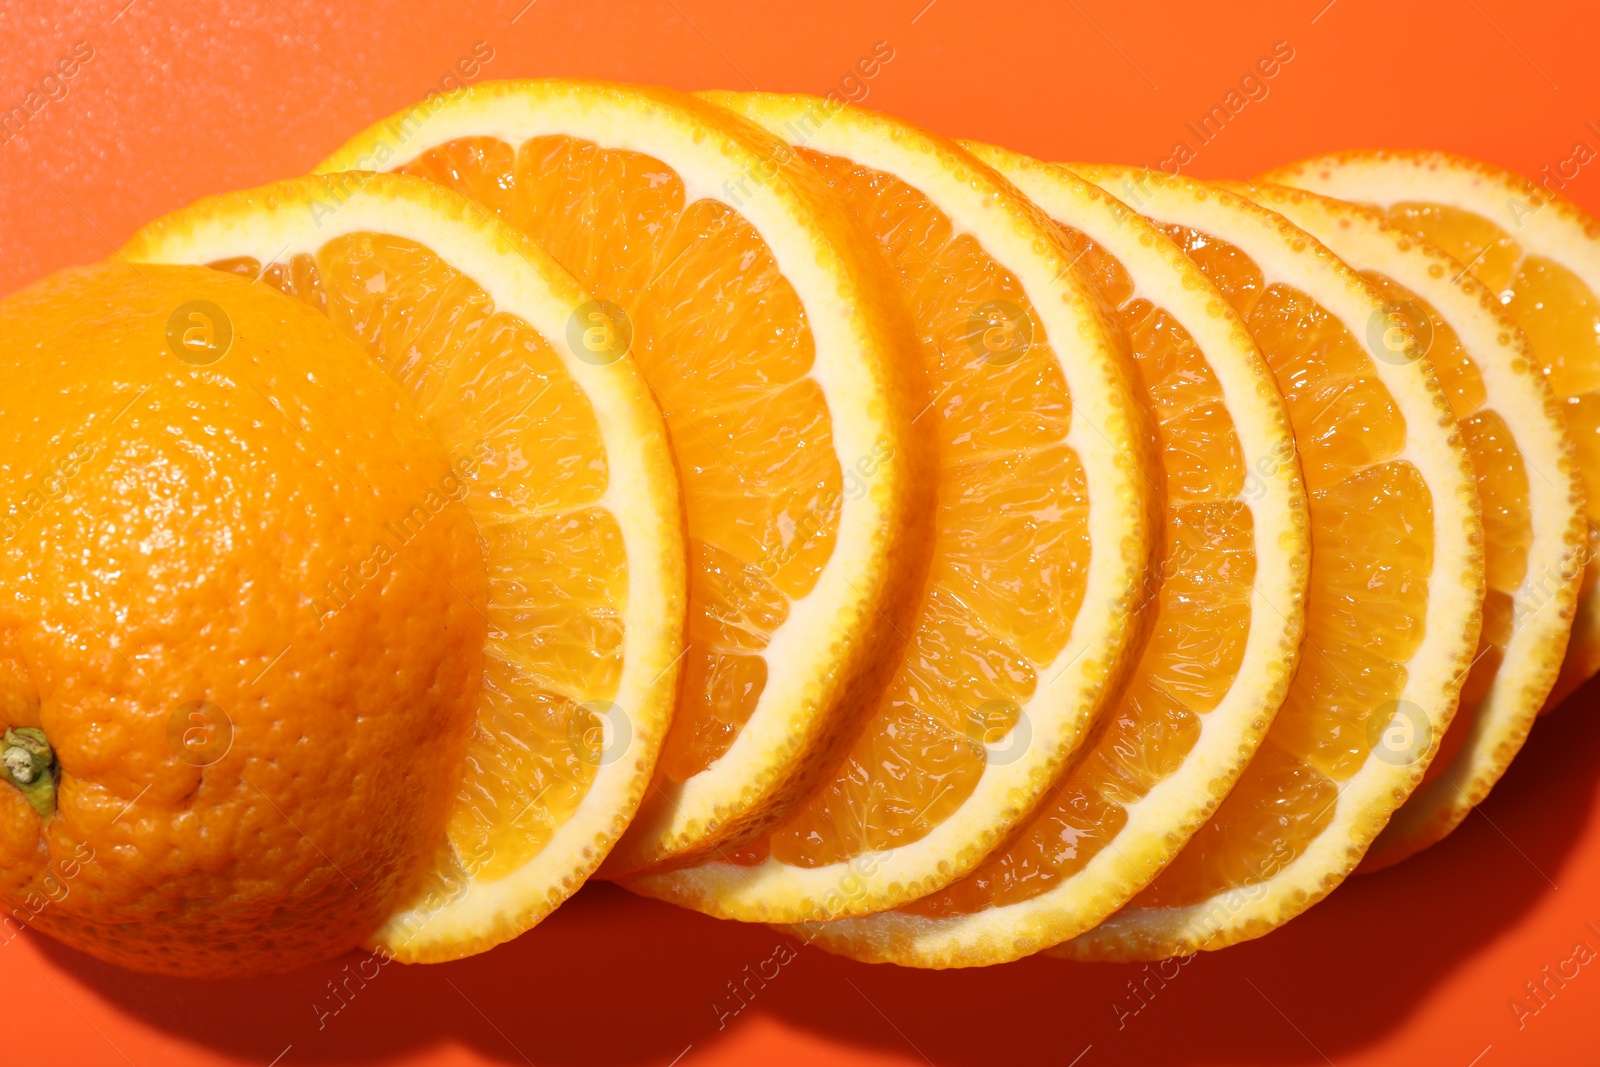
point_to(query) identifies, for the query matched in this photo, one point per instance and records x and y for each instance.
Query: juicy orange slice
(1396, 588)
(1528, 486)
(1539, 254)
(564, 465)
(765, 327)
(1228, 595)
(1032, 603)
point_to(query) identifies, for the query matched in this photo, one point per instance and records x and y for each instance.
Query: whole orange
(241, 624)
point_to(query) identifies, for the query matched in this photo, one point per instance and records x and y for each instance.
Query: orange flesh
(1502, 480)
(1202, 598)
(723, 340)
(1011, 541)
(525, 448)
(1372, 554)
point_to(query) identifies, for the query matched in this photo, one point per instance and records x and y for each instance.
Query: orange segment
(1344, 418)
(1278, 808)
(1481, 247)
(1561, 316)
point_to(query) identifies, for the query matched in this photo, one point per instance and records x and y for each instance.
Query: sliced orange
(1229, 614)
(1045, 527)
(767, 329)
(1396, 589)
(563, 464)
(1539, 253)
(1528, 486)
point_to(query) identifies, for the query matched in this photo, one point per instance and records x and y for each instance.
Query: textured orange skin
(170, 533)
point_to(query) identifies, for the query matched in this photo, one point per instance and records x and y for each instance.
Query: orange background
(1417, 965)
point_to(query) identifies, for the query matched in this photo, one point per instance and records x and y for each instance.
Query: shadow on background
(612, 979)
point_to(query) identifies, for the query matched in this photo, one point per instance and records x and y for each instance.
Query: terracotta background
(1418, 965)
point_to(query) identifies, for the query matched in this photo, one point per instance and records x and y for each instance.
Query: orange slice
(1528, 486)
(1395, 597)
(1032, 603)
(1540, 255)
(564, 466)
(767, 330)
(1229, 607)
